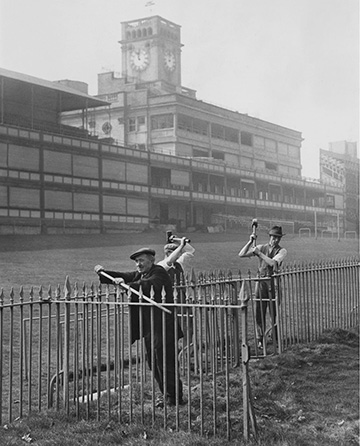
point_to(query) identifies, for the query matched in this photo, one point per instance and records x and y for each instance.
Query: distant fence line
(70, 349)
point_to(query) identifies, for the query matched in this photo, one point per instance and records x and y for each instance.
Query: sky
(294, 63)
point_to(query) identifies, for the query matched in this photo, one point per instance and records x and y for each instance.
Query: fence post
(1, 349)
(67, 294)
(248, 410)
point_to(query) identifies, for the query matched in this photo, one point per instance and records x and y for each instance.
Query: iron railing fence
(71, 350)
(314, 297)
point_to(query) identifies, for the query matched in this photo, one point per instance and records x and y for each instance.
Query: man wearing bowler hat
(149, 276)
(271, 256)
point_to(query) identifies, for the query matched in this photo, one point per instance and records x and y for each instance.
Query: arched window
(150, 31)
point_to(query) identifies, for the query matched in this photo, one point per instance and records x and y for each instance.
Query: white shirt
(186, 255)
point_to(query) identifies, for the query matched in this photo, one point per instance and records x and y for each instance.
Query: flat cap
(142, 251)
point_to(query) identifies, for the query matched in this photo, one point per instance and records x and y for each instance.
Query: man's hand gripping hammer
(254, 225)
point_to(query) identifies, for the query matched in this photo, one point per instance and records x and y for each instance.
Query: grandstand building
(146, 152)
(340, 166)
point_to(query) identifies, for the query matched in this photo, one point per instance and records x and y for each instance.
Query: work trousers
(265, 298)
(170, 366)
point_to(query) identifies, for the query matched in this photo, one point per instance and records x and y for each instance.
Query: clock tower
(151, 50)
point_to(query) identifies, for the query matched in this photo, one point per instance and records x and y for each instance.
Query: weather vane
(149, 5)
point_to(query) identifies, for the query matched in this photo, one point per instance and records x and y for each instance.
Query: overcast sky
(291, 62)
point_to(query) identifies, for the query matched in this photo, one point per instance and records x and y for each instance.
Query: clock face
(169, 60)
(139, 59)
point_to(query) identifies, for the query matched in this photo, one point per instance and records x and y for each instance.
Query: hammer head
(254, 223)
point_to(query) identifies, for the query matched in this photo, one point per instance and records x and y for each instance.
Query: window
(136, 206)
(141, 123)
(160, 177)
(226, 133)
(246, 139)
(199, 126)
(270, 166)
(136, 124)
(132, 124)
(231, 135)
(218, 155)
(200, 153)
(23, 157)
(162, 122)
(85, 166)
(141, 120)
(217, 131)
(193, 125)
(330, 201)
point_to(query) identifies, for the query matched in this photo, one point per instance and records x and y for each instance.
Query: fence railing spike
(58, 292)
(76, 290)
(67, 288)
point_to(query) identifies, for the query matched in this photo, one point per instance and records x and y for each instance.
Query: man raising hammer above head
(271, 256)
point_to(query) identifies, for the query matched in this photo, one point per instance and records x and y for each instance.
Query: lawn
(31, 261)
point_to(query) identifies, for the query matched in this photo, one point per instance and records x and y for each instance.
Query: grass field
(47, 260)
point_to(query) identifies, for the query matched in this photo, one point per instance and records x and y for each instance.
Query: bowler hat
(170, 247)
(142, 251)
(276, 231)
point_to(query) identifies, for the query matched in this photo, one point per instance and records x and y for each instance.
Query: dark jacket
(157, 278)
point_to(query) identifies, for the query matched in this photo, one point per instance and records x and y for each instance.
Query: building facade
(146, 152)
(340, 166)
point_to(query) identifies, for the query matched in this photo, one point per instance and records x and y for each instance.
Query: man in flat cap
(271, 256)
(150, 276)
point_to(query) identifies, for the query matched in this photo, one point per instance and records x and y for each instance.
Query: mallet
(172, 238)
(128, 288)
(254, 225)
